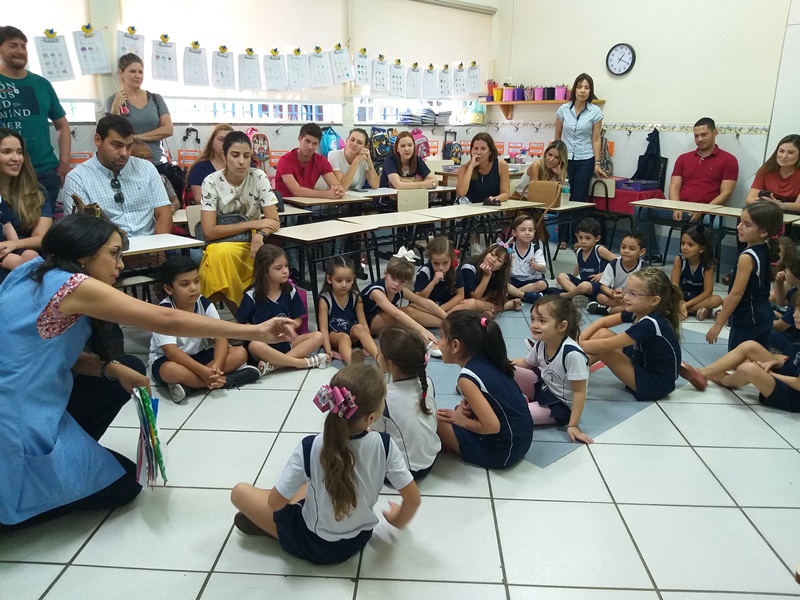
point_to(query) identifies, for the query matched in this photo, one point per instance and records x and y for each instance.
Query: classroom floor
(695, 497)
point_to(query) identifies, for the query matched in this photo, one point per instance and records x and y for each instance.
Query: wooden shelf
(508, 107)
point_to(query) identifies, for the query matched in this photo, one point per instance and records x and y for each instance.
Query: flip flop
(693, 376)
(264, 367)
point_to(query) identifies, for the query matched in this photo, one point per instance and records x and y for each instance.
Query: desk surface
(322, 230)
(733, 211)
(356, 197)
(458, 211)
(568, 206)
(709, 209)
(519, 205)
(293, 211)
(395, 219)
(142, 244)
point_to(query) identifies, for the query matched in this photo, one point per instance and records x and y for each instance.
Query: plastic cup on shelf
(497, 94)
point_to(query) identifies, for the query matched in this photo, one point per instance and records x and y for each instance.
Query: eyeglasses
(634, 294)
(119, 197)
(117, 252)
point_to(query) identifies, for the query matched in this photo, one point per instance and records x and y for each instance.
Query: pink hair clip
(338, 400)
(506, 245)
(780, 232)
(483, 322)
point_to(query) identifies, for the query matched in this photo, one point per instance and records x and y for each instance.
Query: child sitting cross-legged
(609, 300)
(584, 283)
(194, 363)
(527, 262)
(485, 280)
(693, 273)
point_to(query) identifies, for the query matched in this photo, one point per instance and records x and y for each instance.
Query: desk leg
(312, 268)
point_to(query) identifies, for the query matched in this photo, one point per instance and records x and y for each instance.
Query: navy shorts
(782, 397)
(298, 540)
(203, 357)
(649, 387)
(576, 281)
(559, 410)
(473, 449)
(518, 283)
(739, 334)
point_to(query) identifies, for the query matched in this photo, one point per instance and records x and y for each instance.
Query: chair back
(193, 218)
(545, 192)
(408, 200)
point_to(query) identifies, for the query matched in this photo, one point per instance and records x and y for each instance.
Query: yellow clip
(397, 61)
(414, 65)
(223, 49)
(363, 51)
(164, 38)
(460, 66)
(473, 64)
(338, 46)
(274, 52)
(296, 51)
(249, 51)
(317, 49)
(132, 30)
(380, 57)
(87, 29)
(195, 45)
(430, 66)
(446, 68)
(49, 33)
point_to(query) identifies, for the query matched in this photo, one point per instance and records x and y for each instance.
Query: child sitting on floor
(693, 273)
(486, 282)
(592, 257)
(609, 300)
(527, 262)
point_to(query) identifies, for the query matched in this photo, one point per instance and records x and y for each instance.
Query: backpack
(451, 150)
(380, 145)
(330, 141)
(605, 156)
(421, 145)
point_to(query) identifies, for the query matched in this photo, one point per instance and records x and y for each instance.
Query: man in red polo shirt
(299, 170)
(706, 175)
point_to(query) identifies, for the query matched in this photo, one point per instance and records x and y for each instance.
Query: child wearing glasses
(647, 356)
(615, 276)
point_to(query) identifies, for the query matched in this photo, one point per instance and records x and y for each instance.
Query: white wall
(785, 113)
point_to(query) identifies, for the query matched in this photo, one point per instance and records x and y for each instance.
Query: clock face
(620, 59)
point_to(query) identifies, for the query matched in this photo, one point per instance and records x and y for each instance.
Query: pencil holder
(561, 92)
(538, 93)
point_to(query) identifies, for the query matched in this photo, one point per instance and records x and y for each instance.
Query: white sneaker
(176, 392)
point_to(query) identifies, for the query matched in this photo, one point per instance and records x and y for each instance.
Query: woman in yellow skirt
(227, 266)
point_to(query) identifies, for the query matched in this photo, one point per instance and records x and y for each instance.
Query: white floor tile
(369, 589)
(542, 593)
(24, 581)
(781, 527)
(754, 477)
(721, 596)
(451, 476)
(224, 586)
(55, 541)
(786, 424)
(422, 551)
(658, 475)
(526, 481)
(246, 409)
(282, 379)
(218, 459)
(305, 417)
(713, 394)
(316, 378)
(170, 415)
(705, 549)
(89, 583)
(166, 528)
(558, 543)
(648, 426)
(126, 439)
(278, 457)
(722, 425)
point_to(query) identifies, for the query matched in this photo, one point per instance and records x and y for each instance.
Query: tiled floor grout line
(497, 533)
(210, 572)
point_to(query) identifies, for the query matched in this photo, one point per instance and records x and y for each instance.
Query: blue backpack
(330, 141)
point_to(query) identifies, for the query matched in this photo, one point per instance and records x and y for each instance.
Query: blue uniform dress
(784, 397)
(341, 318)
(656, 355)
(587, 267)
(470, 277)
(254, 312)
(506, 447)
(441, 293)
(786, 341)
(692, 281)
(371, 307)
(752, 318)
(47, 460)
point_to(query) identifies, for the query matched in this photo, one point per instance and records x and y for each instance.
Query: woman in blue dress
(56, 398)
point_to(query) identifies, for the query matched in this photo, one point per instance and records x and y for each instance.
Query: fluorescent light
(459, 5)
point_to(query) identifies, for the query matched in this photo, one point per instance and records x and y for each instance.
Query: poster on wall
(275, 72)
(319, 70)
(460, 82)
(414, 83)
(397, 80)
(249, 72)
(380, 75)
(297, 71)
(474, 85)
(445, 86)
(91, 51)
(54, 58)
(130, 43)
(361, 68)
(165, 61)
(222, 70)
(342, 68)
(195, 66)
(429, 81)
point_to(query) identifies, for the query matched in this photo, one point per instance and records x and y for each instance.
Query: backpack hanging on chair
(451, 150)
(605, 156)
(421, 145)
(380, 144)
(330, 141)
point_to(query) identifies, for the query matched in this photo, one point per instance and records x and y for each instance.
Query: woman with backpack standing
(147, 112)
(353, 165)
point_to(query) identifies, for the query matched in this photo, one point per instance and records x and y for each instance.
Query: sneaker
(580, 302)
(528, 343)
(247, 527)
(595, 308)
(247, 374)
(531, 297)
(653, 258)
(318, 361)
(177, 392)
(434, 351)
(726, 279)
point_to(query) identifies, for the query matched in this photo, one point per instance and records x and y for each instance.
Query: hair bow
(338, 400)
(506, 245)
(779, 233)
(406, 254)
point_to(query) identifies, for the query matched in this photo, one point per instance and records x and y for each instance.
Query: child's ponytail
(407, 352)
(479, 336)
(658, 284)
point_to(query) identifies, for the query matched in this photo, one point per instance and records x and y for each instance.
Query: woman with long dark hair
(485, 176)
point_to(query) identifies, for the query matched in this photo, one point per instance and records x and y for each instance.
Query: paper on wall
(54, 58)
(429, 84)
(249, 72)
(414, 83)
(445, 86)
(222, 70)
(319, 70)
(380, 76)
(361, 68)
(474, 80)
(297, 71)
(165, 61)
(275, 72)
(195, 66)
(342, 69)
(91, 51)
(397, 80)
(460, 82)
(130, 43)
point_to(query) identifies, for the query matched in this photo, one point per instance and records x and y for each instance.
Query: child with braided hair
(410, 413)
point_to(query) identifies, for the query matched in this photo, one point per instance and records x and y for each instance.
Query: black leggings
(94, 404)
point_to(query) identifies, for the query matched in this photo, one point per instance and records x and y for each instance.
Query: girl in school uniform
(382, 299)
(747, 307)
(693, 273)
(439, 280)
(492, 426)
(341, 317)
(557, 393)
(527, 262)
(271, 295)
(321, 509)
(486, 282)
(647, 356)
(410, 413)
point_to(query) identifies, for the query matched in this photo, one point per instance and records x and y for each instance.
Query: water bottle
(565, 192)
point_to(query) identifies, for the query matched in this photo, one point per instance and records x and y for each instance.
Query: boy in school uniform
(616, 273)
(592, 257)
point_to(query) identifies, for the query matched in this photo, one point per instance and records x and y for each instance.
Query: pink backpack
(421, 144)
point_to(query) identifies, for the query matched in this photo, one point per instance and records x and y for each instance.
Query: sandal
(562, 245)
(317, 361)
(702, 314)
(264, 367)
(517, 304)
(693, 375)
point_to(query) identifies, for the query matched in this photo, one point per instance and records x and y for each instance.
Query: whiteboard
(785, 116)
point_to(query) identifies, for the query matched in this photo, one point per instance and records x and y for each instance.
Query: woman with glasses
(59, 391)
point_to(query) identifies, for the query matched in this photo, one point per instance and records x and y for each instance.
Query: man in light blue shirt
(128, 190)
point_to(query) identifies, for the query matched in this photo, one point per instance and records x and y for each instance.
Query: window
(388, 111)
(240, 112)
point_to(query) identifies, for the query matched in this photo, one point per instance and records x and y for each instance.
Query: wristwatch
(263, 234)
(103, 370)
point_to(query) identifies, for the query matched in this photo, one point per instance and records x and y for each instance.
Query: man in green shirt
(27, 101)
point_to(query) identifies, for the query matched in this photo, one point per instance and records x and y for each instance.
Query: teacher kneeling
(56, 398)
